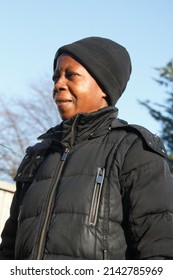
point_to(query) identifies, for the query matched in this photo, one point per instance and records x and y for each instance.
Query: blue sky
(31, 31)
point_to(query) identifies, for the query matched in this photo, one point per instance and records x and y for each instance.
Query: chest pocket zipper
(92, 219)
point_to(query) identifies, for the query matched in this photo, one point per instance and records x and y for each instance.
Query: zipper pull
(93, 213)
(64, 155)
(100, 175)
(105, 254)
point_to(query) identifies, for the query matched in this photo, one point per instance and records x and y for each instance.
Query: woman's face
(75, 90)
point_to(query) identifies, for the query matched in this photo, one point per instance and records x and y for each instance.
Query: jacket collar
(82, 127)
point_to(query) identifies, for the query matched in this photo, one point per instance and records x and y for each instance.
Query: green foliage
(163, 113)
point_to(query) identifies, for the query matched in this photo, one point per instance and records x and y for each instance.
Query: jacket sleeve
(7, 247)
(147, 203)
(25, 175)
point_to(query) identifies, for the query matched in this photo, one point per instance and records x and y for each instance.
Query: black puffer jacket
(94, 188)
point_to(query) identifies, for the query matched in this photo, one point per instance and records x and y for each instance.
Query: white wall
(6, 195)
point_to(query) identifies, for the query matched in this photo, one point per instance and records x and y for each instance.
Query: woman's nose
(60, 84)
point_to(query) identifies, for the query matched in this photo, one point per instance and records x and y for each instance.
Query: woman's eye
(71, 74)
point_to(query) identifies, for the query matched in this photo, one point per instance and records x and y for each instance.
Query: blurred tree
(163, 113)
(21, 121)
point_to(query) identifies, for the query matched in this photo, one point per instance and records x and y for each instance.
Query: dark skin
(75, 90)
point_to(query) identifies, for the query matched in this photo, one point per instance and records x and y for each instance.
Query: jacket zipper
(40, 247)
(92, 219)
(42, 237)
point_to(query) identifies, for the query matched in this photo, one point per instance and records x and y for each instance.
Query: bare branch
(21, 121)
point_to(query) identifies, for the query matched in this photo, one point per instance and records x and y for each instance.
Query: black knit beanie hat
(107, 62)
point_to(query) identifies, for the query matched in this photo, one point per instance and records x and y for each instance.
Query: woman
(95, 187)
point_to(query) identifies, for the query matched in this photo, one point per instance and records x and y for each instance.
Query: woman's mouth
(62, 101)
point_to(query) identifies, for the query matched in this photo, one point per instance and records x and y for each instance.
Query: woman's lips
(63, 102)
